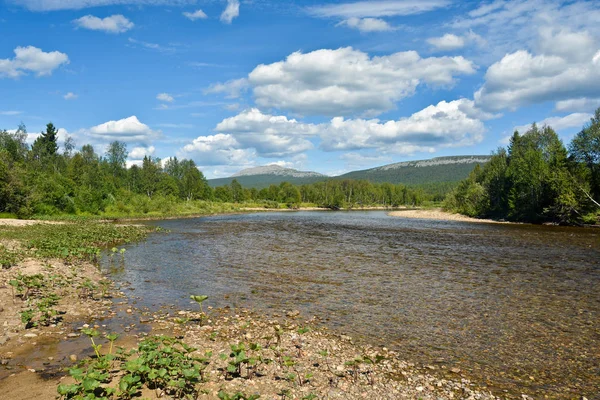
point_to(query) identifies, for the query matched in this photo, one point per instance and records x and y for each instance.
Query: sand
(440, 215)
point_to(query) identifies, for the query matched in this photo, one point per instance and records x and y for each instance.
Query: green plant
(167, 366)
(236, 396)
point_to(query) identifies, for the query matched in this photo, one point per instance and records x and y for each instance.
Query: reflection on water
(516, 307)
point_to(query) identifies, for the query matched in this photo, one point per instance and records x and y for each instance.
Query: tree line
(43, 179)
(536, 179)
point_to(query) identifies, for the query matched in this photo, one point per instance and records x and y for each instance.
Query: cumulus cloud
(582, 104)
(575, 120)
(193, 16)
(566, 70)
(138, 153)
(446, 124)
(450, 42)
(366, 25)
(231, 11)
(165, 97)
(70, 96)
(113, 24)
(32, 59)
(447, 42)
(348, 81)
(219, 149)
(270, 136)
(252, 132)
(54, 5)
(388, 8)
(129, 130)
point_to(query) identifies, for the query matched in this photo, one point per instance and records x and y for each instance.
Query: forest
(536, 179)
(45, 180)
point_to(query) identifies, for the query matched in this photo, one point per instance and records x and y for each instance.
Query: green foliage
(161, 363)
(236, 396)
(72, 241)
(534, 179)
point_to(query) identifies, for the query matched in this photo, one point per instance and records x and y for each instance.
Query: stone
(455, 370)
(30, 335)
(73, 357)
(73, 335)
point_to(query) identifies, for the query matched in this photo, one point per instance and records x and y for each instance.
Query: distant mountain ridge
(277, 170)
(421, 172)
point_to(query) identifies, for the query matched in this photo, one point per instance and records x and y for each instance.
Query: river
(515, 307)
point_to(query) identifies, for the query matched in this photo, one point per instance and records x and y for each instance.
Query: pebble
(73, 335)
(73, 357)
(30, 335)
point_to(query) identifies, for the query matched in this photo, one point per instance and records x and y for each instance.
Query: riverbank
(439, 214)
(287, 358)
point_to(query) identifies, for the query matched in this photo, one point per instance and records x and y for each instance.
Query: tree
(237, 193)
(585, 149)
(116, 155)
(193, 182)
(46, 144)
(150, 175)
(15, 143)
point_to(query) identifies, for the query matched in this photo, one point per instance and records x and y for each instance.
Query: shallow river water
(515, 307)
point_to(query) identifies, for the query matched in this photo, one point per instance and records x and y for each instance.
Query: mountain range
(415, 173)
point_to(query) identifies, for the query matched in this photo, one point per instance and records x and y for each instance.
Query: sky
(326, 86)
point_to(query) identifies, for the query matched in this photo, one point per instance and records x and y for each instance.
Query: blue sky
(328, 86)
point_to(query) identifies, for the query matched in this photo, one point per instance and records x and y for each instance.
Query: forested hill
(417, 173)
(263, 177)
(422, 172)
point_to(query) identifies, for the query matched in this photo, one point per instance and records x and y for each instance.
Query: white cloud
(575, 120)
(447, 124)
(511, 25)
(389, 8)
(366, 25)
(32, 59)
(219, 149)
(566, 70)
(53, 5)
(193, 16)
(231, 11)
(114, 24)
(138, 153)
(270, 136)
(583, 104)
(347, 81)
(450, 42)
(70, 96)
(447, 42)
(165, 97)
(10, 113)
(129, 130)
(232, 88)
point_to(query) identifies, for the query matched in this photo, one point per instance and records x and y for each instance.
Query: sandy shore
(438, 214)
(24, 222)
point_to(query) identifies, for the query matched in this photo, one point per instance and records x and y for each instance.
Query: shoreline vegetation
(53, 295)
